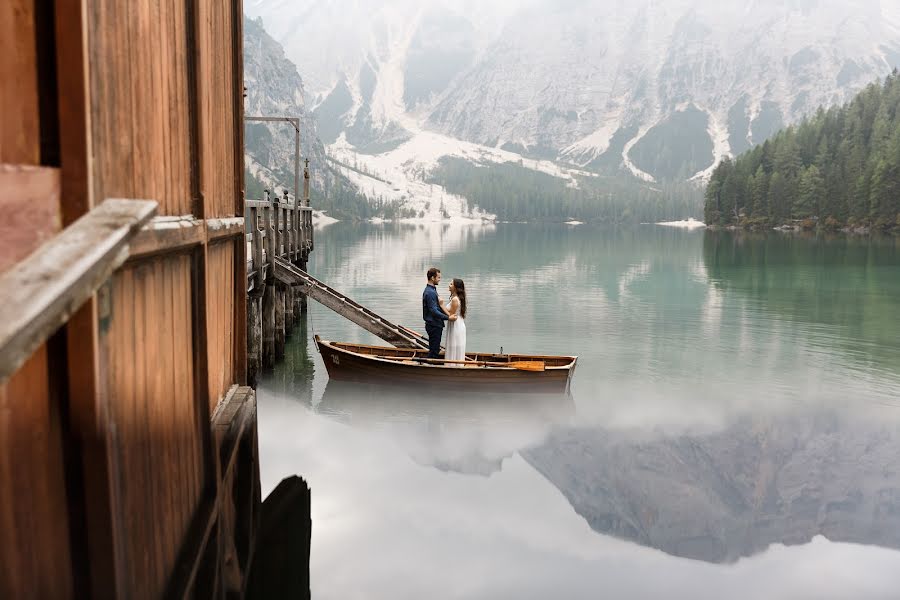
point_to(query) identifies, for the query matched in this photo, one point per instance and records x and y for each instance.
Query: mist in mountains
(593, 83)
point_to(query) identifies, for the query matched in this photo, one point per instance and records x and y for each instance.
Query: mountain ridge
(591, 80)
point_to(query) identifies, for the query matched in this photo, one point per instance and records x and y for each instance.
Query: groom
(432, 313)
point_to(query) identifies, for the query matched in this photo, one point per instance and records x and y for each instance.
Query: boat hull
(343, 364)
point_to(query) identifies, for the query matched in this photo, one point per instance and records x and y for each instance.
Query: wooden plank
(167, 234)
(193, 48)
(224, 228)
(86, 82)
(239, 314)
(237, 90)
(270, 237)
(179, 74)
(143, 117)
(33, 512)
(111, 98)
(73, 80)
(257, 248)
(154, 416)
(257, 203)
(220, 311)
(347, 308)
(29, 203)
(230, 421)
(19, 113)
(42, 292)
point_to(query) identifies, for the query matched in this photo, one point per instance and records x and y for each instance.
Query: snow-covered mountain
(660, 87)
(340, 182)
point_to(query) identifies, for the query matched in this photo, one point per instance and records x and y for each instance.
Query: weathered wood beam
(170, 233)
(166, 234)
(230, 422)
(42, 291)
(217, 229)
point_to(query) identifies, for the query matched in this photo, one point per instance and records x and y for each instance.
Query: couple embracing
(435, 312)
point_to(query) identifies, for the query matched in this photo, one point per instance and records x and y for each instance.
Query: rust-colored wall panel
(220, 319)
(153, 408)
(29, 203)
(19, 118)
(140, 103)
(34, 540)
(217, 104)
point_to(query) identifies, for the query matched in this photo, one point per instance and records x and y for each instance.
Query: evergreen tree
(759, 191)
(811, 191)
(779, 198)
(842, 165)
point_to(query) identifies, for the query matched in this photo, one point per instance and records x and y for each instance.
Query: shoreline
(854, 231)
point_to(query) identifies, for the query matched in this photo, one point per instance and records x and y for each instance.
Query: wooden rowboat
(482, 371)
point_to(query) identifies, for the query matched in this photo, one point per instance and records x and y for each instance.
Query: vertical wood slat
(148, 420)
(217, 85)
(240, 256)
(221, 326)
(94, 466)
(109, 29)
(33, 523)
(270, 240)
(276, 215)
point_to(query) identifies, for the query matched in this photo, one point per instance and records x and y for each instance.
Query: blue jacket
(431, 310)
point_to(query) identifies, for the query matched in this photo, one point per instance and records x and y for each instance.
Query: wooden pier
(277, 229)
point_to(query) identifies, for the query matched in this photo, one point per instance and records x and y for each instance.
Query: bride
(456, 324)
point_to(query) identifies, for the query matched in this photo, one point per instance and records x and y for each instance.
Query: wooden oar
(521, 365)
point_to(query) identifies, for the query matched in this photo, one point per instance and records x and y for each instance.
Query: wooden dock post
(288, 310)
(279, 321)
(254, 337)
(268, 327)
(298, 299)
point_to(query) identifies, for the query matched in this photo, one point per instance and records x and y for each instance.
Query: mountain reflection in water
(723, 495)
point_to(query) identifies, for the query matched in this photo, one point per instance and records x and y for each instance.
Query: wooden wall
(33, 518)
(221, 307)
(216, 79)
(141, 101)
(159, 443)
(109, 480)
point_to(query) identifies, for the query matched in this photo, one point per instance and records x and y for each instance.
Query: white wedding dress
(456, 337)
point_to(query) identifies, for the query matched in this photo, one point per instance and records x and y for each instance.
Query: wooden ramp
(396, 335)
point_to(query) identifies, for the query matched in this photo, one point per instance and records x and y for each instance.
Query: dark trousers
(434, 340)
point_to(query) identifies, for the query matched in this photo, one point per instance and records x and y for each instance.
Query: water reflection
(465, 433)
(733, 394)
(844, 292)
(721, 495)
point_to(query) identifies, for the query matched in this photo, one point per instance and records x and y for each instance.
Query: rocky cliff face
(659, 88)
(719, 497)
(275, 88)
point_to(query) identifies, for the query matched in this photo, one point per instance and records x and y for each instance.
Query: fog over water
(734, 427)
